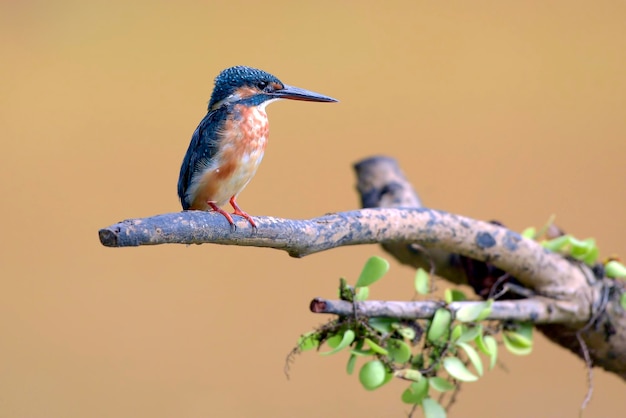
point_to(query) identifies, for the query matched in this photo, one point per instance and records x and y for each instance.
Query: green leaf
(470, 311)
(372, 374)
(457, 369)
(347, 339)
(399, 351)
(581, 247)
(454, 295)
(530, 232)
(519, 341)
(440, 384)
(470, 334)
(334, 341)
(592, 256)
(439, 325)
(309, 341)
(422, 281)
(622, 301)
(432, 409)
(481, 344)
(473, 357)
(408, 374)
(362, 293)
(362, 353)
(557, 244)
(382, 325)
(584, 250)
(457, 331)
(416, 392)
(388, 376)
(406, 332)
(375, 347)
(615, 270)
(492, 347)
(374, 269)
(351, 364)
(485, 312)
(522, 336)
(514, 348)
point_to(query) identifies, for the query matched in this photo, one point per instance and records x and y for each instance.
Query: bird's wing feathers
(202, 149)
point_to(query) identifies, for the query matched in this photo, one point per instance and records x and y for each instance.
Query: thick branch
(381, 183)
(524, 258)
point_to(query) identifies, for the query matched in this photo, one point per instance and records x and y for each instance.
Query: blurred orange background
(505, 110)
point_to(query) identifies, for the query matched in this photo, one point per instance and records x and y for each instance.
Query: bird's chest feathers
(242, 144)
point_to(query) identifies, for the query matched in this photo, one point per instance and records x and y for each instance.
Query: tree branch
(381, 183)
(539, 311)
(569, 295)
(524, 258)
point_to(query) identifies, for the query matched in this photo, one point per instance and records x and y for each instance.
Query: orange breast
(241, 150)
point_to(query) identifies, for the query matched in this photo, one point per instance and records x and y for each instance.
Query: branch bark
(569, 295)
(394, 227)
(535, 310)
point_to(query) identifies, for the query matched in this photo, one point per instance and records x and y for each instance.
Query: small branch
(537, 310)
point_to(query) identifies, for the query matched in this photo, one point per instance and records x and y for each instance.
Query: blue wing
(203, 147)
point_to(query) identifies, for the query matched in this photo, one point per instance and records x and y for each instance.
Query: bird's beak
(295, 93)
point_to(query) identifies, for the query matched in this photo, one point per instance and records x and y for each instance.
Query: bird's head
(252, 87)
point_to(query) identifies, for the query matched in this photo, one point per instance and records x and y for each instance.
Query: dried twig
(537, 310)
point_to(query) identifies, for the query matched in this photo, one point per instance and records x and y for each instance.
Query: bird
(228, 145)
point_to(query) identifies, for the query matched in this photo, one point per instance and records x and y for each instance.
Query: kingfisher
(228, 145)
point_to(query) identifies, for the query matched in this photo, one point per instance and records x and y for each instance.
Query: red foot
(224, 213)
(240, 212)
(237, 211)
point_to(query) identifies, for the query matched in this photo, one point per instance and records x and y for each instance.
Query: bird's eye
(262, 85)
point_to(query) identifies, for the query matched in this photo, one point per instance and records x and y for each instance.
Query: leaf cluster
(433, 355)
